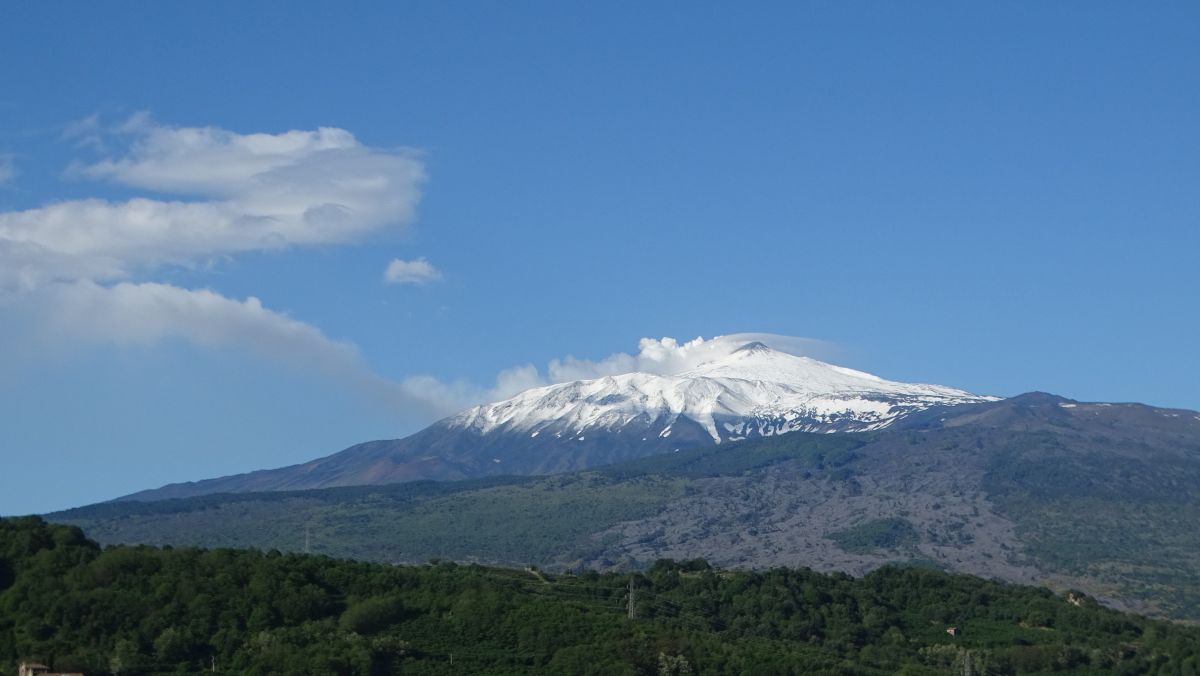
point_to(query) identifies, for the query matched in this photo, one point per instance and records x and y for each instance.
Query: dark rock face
(445, 453)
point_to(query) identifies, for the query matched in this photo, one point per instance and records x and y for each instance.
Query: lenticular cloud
(667, 356)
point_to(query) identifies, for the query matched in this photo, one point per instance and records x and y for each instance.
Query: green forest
(69, 603)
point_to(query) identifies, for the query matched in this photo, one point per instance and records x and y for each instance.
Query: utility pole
(307, 541)
(632, 605)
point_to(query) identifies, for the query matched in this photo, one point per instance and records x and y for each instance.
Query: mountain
(753, 391)
(1098, 497)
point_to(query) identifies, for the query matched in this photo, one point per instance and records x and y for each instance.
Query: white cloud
(243, 192)
(667, 356)
(419, 271)
(225, 193)
(8, 168)
(144, 314)
(442, 398)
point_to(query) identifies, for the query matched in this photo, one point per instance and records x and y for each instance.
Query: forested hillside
(141, 610)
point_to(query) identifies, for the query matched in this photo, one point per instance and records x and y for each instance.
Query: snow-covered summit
(752, 391)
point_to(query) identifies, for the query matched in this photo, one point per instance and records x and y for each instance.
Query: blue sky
(999, 197)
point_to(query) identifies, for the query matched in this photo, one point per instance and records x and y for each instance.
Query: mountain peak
(752, 347)
(754, 390)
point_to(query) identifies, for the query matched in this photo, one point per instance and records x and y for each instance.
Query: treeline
(139, 610)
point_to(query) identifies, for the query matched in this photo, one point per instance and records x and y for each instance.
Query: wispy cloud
(133, 314)
(85, 132)
(419, 271)
(240, 192)
(210, 193)
(144, 314)
(8, 168)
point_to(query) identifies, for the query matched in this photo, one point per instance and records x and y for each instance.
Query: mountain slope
(754, 391)
(1033, 489)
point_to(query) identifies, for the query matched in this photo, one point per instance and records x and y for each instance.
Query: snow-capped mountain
(750, 391)
(754, 391)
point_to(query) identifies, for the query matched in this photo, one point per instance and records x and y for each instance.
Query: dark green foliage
(893, 533)
(373, 614)
(140, 610)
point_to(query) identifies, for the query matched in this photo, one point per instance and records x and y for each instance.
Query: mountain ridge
(750, 391)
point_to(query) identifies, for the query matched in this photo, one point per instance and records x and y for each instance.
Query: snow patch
(755, 391)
